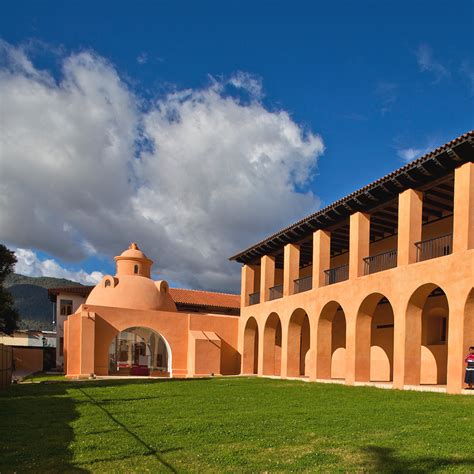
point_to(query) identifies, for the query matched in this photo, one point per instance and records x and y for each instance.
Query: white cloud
(427, 63)
(252, 84)
(31, 265)
(409, 154)
(142, 58)
(194, 178)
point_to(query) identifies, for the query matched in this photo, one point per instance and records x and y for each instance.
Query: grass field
(231, 424)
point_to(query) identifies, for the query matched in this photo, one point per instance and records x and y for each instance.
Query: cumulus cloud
(31, 265)
(427, 63)
(193, 176)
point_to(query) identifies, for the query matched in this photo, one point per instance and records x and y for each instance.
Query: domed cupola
(132, 286)
(133, 262)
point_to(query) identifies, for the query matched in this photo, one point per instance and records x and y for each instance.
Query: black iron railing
(381, 261)
(254, 298)
(303, 284)
(276, 292)
(337, 274)
(432, 248)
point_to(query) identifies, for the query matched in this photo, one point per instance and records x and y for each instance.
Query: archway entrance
(298, 344)
(426, 342)
(331, 348)
(272, 346)
(139, 351)
(250, 359)
(374, 340)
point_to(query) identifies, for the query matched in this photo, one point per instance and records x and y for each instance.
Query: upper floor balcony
(422, 211)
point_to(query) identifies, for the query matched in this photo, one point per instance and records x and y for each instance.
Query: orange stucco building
(131, 325)
(376, 287)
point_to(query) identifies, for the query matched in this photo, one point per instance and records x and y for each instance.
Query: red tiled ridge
(205, 298)
(179, 295)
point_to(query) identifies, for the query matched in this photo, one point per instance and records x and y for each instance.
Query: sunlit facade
(376, 288)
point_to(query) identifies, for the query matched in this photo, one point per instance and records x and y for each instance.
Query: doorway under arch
(140, 351)
(250, 358)
(331, 346)
(298, 344)
(272, 345)
(374, 340)
(426, 339)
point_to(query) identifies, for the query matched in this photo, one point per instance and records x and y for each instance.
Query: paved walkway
(383, 385)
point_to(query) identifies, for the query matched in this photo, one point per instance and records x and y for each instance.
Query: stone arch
(298, 344)
(331, 342)
(426, 324)
(250, 356)
(374, 339)
(139, 350)
(272, 339)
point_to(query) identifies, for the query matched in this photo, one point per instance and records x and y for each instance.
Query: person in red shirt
(469, 360)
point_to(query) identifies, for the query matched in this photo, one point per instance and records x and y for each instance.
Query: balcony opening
(339, 268)
(254, 295)
(276, 291)
(383, 239)
(304, 282)
(437, 231)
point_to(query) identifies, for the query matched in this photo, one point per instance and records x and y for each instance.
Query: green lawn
(231, 424)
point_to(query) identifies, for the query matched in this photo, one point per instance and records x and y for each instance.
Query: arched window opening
(374, 340)
(272, 346)
(331, 348)
(298, 344)
(250, 359)
(426, 343)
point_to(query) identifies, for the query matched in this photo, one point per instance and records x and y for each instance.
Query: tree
(8, 314)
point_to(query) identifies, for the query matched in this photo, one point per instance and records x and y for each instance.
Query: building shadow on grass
(150, 451)
(36, 429)
(36, 424)
(386, 460)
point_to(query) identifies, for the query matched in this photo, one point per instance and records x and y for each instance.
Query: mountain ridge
(30, 295)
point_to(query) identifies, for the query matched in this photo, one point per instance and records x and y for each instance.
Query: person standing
(469, 360)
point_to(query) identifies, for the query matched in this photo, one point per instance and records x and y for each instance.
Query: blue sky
(379, 82)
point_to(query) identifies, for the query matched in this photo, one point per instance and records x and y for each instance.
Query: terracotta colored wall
(77, 300)
(412, 349)
(90, 337)
(453, 273)
(226, 327)
(207, 353)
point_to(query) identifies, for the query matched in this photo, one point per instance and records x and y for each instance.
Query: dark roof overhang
(427, 169)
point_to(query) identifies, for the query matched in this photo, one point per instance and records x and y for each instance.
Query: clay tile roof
(75, 290)
(179, 295)
(205, 298)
